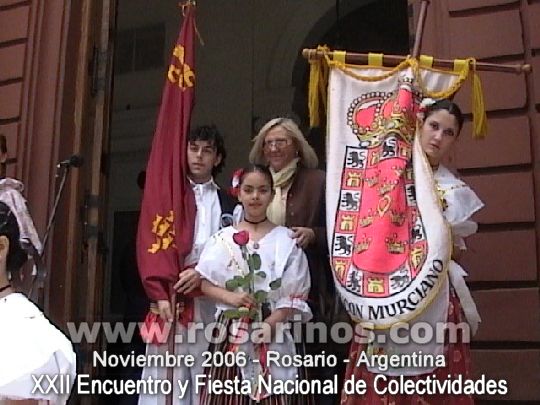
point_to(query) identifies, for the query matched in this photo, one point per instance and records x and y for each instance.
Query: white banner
(389, 243)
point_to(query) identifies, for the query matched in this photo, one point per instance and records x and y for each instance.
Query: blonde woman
(299, 199)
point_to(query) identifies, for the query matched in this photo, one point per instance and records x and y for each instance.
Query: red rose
(241, 238)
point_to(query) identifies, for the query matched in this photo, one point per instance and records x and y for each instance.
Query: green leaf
(231, 314)
(243, 281)
(231, 285)
(274, 285)
(260, 296)
(255, 261)
(254, 314)
(261, 274)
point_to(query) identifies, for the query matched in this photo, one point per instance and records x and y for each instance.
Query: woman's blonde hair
(308, 157)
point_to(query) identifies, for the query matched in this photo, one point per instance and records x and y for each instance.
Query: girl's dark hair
(211, 134)
(450, 106)
(257, 169)
(10, 229)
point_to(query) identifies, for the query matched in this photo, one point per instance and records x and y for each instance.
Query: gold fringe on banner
(426, 61)
(375, 59)
(339, 56)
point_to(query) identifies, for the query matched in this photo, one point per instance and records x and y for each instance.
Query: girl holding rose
(255, 272)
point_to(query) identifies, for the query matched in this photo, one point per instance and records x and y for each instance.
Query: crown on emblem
(366, 221)
(395, 246)
(397, 218)
(363, 245)
(371, 181)
(385, 188)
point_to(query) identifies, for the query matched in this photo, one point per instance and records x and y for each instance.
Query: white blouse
(221, 260)
(281, 258)
(31, 345)
(459, 204)
(208, 217)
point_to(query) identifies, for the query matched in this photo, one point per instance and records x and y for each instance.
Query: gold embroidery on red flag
(162, 227)
(363, 245)
(367, 220)
(183, 75)
(394, 245)
(397, 218)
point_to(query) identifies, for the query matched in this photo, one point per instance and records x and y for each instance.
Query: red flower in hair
(234, 190)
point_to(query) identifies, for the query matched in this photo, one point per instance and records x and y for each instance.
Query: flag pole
(394, 60)
(172, 346)
(420, 28)
(171, 341)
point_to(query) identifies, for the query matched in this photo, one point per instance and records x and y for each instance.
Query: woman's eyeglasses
(276, 143)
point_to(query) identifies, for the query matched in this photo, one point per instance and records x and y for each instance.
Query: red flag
(167, 220)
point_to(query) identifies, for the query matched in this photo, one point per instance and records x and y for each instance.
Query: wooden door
(93, 111)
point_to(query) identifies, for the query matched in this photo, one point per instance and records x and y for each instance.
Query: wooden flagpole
(171, 338)
(171, 345)
(394, 60)
(420, 28)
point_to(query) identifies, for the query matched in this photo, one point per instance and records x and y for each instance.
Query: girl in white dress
(30, 346)
(275, 294)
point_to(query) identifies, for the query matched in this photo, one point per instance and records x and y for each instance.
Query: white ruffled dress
(281, 258)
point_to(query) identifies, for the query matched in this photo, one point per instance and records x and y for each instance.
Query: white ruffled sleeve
(214, 262)
(461, 203)
(461, 230)
(295, 285)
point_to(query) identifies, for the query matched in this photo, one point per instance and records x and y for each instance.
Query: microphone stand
(40, 272)
(56, 202)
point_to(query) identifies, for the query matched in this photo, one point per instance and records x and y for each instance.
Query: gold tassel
(478, 106)
(313, 92)
(318, 79)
